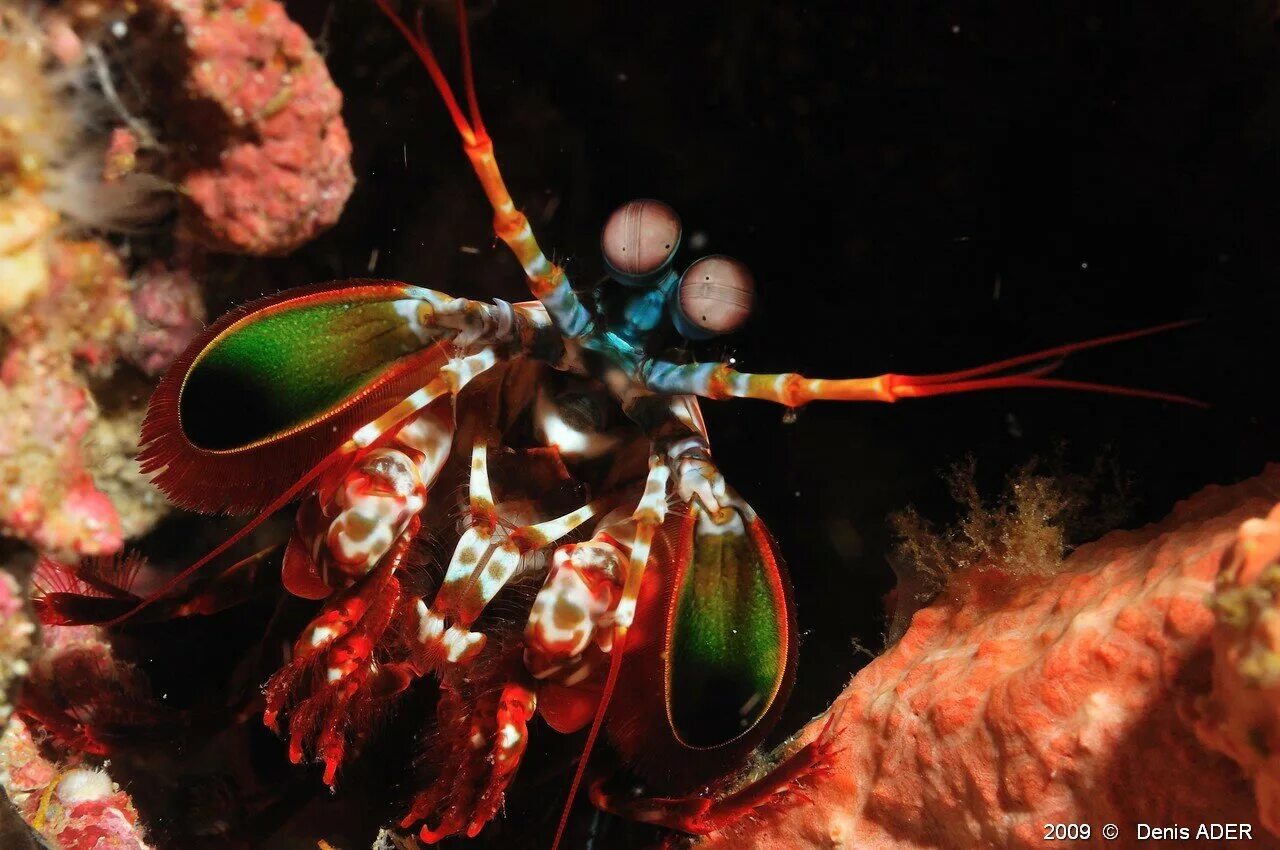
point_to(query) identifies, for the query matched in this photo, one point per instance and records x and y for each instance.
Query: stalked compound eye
(715, 297)
(639, 239)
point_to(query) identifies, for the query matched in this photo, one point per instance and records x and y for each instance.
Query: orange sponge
(1085, 696)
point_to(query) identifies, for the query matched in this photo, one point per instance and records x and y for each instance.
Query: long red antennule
(1026, 371)
(468, 73)
(1055, 354)
(906, 388)
(279, 502)
(547, 281)
(1039, 364)
(417, 38)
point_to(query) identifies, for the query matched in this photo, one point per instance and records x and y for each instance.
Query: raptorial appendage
(363, 507)
(348, 544)
(486, 557)
(342, 673)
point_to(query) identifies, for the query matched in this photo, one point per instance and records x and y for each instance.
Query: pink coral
(169, 311)
(71, 807)
(1011, 703)
(81, 697)
(272, 164)
(16, 630)
(48, 495)
(254, 137)
(1241, 716)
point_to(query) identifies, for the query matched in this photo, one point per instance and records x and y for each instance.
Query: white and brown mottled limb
(582, 599)
(679, 434)
(453, 376)
(466, 324)
(574, 608)
(486, 557)
(378, 496)
(648, 516)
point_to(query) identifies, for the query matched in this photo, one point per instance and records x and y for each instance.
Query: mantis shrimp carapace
(661, 610)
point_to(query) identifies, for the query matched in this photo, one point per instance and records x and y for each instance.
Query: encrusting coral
(69, 804)
(112, 115)
(48, 495)
(33, 133)
(168, 313)
(239, 127)
(16, 632)
(269, 166)
(70, 807)
(1082, 695)
(1027, 530)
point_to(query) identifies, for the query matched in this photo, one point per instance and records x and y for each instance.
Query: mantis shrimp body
(658, 605)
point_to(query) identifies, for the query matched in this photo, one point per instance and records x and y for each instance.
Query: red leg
(339, 673)
(478, 750)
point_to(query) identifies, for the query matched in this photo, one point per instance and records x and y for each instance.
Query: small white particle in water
(698, 240)
(1084, 267)
(955, 29)
(622, 77)
(119, 29)
(373, 259)
(468, 249)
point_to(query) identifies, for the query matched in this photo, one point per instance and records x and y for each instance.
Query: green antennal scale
(285, 368)
(728, 643)
(274, 387)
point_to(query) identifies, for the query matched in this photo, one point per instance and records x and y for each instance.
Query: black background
(917, 187)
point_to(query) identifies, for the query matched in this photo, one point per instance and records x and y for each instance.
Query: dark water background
(917, 186)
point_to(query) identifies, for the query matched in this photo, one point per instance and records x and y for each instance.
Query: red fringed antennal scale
(245, 478)
(94, 590)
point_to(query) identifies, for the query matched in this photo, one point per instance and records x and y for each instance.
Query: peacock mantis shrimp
(662, 613)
